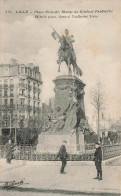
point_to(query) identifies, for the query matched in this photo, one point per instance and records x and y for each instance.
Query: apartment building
(20, 94)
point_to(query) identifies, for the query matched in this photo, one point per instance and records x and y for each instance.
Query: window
(0, 92)
(34, 85)
(29, 85)
(35, 74)
(38, 104)
(11, 101)
(6, 69)
(5, 101)
(22, 92)
(28, 94)
(11, 81)
(26, 69)
(5, 81)
(22, 101)
(34, 104)
(5, 123)
(22, 70)
(38, 95)
(11, 92)
(22, 81)
(29, 103)
(5, 92)
(30, 72)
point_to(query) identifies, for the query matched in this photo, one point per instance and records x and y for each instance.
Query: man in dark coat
(63, 156)
(98, 161)
(9, 151)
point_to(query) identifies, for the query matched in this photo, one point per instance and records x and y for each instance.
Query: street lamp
(10, 123)
(15, 139)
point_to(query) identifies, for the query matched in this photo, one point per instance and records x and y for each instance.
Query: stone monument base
(68, 110)
(51, 142)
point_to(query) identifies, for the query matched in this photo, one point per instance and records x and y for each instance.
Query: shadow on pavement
(59, 191)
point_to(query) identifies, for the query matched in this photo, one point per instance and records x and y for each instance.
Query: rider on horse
(66, 52)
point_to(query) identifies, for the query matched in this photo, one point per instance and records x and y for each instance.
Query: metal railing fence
(32, 154)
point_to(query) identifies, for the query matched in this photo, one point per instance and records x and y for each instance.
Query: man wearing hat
(62, 154)
(98, 161)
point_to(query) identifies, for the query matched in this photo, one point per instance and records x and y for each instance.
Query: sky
(97, 45)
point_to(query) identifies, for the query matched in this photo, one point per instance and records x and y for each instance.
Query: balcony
(7, 108)
(5, 95)
(23, 95)
(19, 106)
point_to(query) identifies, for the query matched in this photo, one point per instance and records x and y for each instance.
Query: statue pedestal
(69, 100)
(68, 89)
(51, 142)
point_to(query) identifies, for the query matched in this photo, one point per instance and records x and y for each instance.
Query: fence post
(85, 150)
(103, 153)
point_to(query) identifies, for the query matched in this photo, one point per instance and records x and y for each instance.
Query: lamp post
(15, 140)
(10, 123)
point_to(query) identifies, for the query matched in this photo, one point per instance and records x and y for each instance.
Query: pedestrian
(98, 161)
(62, 154)
(9, 149)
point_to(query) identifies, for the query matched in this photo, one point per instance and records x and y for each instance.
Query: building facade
(20, 94)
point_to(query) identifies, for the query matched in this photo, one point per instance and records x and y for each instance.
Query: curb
(106, 162)
(57, 163)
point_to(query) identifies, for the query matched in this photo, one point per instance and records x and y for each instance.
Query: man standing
(98, 161)
(63, 155)
(9, 149)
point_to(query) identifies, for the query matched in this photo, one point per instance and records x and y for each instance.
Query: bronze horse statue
(67, 54)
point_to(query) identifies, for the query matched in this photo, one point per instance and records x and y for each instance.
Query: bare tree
(97, 102)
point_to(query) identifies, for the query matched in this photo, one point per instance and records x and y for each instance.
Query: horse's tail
(78, 70)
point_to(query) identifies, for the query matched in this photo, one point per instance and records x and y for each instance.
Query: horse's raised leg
(73, 69)
(59, 63)
(59, 68)
(69, 67)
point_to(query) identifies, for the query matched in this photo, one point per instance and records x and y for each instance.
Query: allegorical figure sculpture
(66, 52)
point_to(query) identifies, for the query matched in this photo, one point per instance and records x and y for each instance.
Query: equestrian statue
(66, 52)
